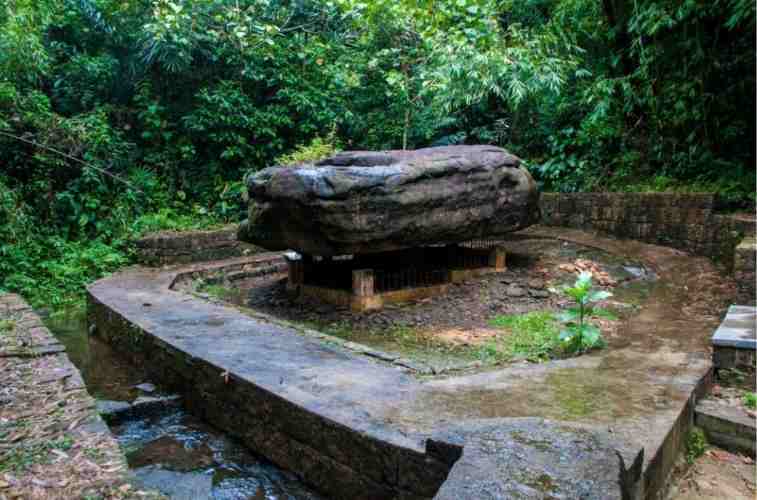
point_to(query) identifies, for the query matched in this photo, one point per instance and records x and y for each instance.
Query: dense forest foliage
(120, 116)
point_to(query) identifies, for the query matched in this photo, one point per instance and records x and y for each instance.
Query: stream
(167, 448)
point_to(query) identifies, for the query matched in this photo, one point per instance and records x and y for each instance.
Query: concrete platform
(737, 329)
(356, 427)
(735, 341)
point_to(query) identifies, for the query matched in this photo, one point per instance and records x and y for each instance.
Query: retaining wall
(687, 221)
(171, 247)
(744, 264)
(342, 461)
(44, 399)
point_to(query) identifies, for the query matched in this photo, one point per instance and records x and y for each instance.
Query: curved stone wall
(165, 248)
(687, 221)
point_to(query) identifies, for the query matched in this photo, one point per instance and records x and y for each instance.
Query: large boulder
(375, 201)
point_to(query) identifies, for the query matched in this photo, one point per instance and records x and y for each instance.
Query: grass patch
(750, 400)
(216, 291)
(533, 336)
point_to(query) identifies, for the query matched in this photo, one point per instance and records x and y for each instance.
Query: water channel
(168, 449)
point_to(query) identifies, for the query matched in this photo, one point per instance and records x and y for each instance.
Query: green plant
(317, 149)
(579, 335)
(696, 444)
(217, 291)
(731, 376)
(750, 400)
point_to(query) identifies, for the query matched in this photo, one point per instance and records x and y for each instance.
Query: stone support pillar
(497, 259)
(296, 271)
(362, 282)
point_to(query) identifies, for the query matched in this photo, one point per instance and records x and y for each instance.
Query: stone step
(727, 426)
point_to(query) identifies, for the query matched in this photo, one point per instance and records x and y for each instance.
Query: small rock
(109, 408)
(538, 294)
(536, 283)
(146, 387)
(514, 290)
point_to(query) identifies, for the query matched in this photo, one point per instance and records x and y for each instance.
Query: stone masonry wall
(43, 400)
(171, 247)
(744, 269)
(687, 221)
(344, 463)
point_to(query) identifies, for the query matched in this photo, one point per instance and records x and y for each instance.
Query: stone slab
(532, 458)
(737, 329)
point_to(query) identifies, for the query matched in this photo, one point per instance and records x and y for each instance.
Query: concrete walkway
(357, 428)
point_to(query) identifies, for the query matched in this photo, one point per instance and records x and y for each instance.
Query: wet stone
(146, 387)
(177, 485)
(532, 458)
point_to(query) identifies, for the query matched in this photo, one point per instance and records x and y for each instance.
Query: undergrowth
(50, 264)
(696, 444)
(750, 400)
(534, 336)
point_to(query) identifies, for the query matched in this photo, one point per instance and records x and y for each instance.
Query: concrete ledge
(734, 343)
(355, 427)
(727, 427)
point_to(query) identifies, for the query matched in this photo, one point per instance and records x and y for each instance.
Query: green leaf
(599, 295)
(590, 335)
(568, 315)
(567, 335)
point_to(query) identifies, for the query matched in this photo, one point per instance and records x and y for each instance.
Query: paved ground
(52, 443)
(629, 396)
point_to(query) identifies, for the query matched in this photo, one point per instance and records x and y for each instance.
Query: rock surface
(532, 458)
(368, 201)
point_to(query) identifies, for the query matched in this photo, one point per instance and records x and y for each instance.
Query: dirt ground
(716, 475)
(462, 315)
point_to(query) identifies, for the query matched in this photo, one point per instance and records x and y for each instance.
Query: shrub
(318, 149)
(579, 335)
(696, 444)
(750, 400)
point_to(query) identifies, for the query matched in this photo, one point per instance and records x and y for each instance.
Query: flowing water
(170, 450)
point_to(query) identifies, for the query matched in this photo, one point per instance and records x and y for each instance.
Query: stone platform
(606, 425)
(407, 278)
(734, 343)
